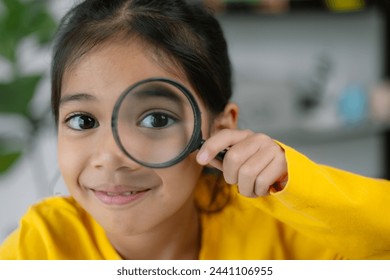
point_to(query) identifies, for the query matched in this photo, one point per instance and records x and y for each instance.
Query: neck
(176, 238)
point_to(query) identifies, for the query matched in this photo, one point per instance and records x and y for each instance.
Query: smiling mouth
(123, 193)
(119, 198)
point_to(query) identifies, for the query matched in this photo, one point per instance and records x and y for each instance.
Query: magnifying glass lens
(154, 123)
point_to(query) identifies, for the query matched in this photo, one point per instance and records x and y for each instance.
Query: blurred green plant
(20, 20)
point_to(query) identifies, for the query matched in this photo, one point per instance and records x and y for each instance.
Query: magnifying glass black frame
(196, 137)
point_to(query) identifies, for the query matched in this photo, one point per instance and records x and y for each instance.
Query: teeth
(127, 193)
(111, 194)
(122, 194)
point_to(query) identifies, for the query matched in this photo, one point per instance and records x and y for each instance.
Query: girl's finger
(255, 165)
(275, 171)
(216, 163)
(237, 156)
(219, 142)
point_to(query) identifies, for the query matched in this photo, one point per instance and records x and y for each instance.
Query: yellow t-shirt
(322, 213)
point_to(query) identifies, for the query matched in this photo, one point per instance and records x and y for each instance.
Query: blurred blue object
(353, 104)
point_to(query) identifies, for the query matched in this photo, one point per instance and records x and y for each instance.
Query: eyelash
(78, 114)
(169, 118)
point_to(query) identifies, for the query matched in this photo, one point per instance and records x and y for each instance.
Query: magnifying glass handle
(220, 156)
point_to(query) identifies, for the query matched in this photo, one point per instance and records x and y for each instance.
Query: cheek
(69, 161)
(182, 178)
(208, 124)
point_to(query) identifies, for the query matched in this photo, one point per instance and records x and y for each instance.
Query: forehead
(121, 64)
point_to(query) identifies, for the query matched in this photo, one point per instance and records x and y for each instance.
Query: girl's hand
(253, 161)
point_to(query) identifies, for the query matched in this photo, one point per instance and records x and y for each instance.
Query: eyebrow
(77, 97)
(159, 92)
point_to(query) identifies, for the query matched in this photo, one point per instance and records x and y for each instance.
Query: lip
(119, 195)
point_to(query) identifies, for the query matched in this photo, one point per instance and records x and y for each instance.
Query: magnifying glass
(156, 122)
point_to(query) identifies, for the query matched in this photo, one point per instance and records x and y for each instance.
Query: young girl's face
(123, 196)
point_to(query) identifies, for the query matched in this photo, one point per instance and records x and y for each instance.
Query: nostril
(112, 160)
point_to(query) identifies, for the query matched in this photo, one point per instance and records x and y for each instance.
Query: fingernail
(203, 157)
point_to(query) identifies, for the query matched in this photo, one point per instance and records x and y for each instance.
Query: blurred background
(310, 73)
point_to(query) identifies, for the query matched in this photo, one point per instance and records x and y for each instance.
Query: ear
(228, 118)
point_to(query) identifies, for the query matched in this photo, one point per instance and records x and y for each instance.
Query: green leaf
(10, 30)
(16, 95)
(7, 160)
(42, 24)
(21, 20)
(8, 47)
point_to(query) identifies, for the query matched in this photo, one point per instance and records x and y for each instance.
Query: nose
(107, 155)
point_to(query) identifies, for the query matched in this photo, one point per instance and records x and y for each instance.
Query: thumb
(203, 158)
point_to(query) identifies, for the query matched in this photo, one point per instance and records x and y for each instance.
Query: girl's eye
(81, 122)
(157, 120)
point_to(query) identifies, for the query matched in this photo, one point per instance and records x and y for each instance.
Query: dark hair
(187, 33)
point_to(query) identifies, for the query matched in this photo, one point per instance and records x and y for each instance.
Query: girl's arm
(343, 211)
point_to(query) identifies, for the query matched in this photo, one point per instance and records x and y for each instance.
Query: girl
(263, 201)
